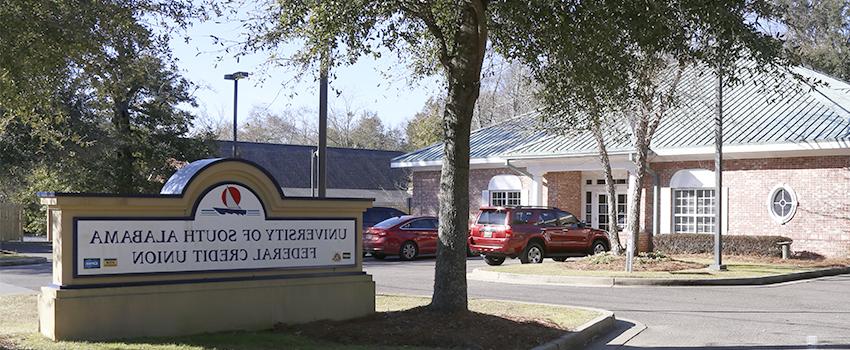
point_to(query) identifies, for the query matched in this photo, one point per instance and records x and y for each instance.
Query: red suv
(406, 236)
(531, 234)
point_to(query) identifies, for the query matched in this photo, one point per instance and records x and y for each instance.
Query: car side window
(433, 224)
(566, 219)
(522, 217)
(547, 219)
(420, 224)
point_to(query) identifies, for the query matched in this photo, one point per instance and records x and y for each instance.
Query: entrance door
(596, 209)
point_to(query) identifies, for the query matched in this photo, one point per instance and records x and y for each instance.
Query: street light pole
(235, 77)
(718, 175)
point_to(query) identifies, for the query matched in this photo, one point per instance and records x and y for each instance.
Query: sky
(362, 86)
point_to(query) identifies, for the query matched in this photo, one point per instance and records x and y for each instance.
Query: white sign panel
(229, 231)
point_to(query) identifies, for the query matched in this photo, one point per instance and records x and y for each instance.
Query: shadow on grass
(422, 327)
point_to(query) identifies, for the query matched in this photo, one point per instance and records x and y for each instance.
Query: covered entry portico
(577, 184)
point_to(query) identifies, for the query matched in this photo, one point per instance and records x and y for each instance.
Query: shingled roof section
(348, 168)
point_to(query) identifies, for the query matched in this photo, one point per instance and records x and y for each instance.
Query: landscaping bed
(656, 265)
(401, 322)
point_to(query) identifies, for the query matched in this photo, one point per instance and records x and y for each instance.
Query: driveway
(787, 316)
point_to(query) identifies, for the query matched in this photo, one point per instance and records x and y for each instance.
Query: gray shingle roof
(348, 168)
(776, 111)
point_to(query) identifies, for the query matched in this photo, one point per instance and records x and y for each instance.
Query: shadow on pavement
(28, 247)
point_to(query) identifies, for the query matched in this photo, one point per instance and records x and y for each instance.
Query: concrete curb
(584, 334)
(504, 277)
(26, 260)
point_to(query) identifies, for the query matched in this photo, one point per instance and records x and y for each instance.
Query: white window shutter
(523, 197)
(666, 212)
(485, 198)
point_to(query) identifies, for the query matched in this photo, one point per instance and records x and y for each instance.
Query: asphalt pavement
(811, 314)
(796, 315)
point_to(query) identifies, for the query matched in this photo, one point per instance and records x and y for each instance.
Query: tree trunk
(613, 234)
(463, 76)
(636, 183)
(124, 150)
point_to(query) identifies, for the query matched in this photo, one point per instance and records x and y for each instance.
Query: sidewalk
(516, 278)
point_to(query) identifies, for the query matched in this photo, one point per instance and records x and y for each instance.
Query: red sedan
(406, 236)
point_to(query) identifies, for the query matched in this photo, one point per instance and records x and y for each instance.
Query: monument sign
(220, 248)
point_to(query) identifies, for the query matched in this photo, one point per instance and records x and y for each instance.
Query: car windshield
(389, 222)
(492, 217)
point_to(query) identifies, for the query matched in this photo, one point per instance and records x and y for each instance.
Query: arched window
(505, 191)
(782, 203)
(693, 201)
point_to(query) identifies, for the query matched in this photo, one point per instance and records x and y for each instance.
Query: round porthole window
(782, 203)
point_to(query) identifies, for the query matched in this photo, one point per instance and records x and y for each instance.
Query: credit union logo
(231, 197)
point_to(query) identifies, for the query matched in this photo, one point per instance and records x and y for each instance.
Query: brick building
(786, 164)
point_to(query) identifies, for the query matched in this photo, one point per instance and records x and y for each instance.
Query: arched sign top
(178, 183)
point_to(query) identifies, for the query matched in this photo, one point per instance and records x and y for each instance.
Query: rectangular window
(621, 211)
(505, 198)
(588, 208)
(603, 212)
(693, 211)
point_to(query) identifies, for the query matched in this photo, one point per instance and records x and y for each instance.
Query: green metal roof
(759, 110)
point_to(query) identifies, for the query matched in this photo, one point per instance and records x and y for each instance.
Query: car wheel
(533, 254)
(598, 247)
(560, 259)
(408, 251)
(494, 260)
(378, 256)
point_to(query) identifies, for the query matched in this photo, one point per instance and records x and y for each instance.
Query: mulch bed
(618, 263)
(423, 327)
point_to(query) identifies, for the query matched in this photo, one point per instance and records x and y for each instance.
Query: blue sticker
(93, 263)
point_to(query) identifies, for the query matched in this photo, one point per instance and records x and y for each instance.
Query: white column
(632, 185)
(536, 191)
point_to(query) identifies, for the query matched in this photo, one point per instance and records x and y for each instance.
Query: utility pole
(718, 175)
(323, 125)
(235, 77)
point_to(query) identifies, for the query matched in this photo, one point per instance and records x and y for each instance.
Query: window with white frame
(505, 198)
(782, 203)
(693, 211)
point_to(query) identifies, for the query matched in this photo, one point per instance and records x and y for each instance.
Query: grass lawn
(737, 268)
(19, 328)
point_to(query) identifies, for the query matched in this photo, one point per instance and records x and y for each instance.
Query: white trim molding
(790, 200)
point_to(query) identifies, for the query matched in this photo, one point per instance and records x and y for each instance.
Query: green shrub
(687, 243)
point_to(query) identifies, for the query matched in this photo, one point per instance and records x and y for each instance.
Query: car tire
(532, 254)
(378, 256)
(598, 246)
(494, 260)
(560, 259)
(409, 251)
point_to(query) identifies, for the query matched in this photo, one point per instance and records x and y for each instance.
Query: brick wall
(822, 184)
(426, 187)
(564, 191)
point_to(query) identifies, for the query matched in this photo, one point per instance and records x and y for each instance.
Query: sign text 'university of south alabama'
(220, 248)
(229, 231)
